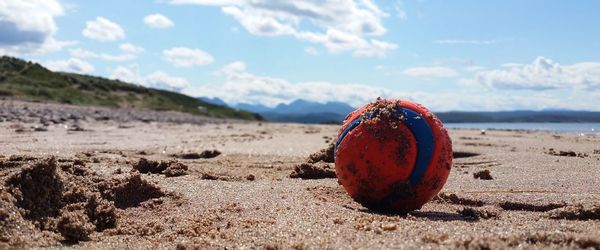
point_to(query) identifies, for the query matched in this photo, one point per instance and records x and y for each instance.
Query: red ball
(393, 155)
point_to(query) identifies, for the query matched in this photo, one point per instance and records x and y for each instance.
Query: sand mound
(38, 190)
(460, 154)
(576, 212)
(58, 200)
(218, 177)
(313, 171)
(486, 212)
(532, 207)
(176, 169)
(454, 199)
(47, 201)
(317, 166)
(168, 168)
(206, 154)
(132, 191)
(325, 155)
(145, 166)
(13, 161)
(74, 225)
(568, 153)
(483, 175)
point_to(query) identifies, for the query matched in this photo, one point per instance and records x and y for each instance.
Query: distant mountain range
(300, 111)
(303, 111)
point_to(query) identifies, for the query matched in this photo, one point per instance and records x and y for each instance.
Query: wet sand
(128, 179)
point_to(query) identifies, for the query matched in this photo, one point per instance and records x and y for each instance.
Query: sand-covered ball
(392, 155)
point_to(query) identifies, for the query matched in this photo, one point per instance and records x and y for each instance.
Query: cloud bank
(28, 27)
(102, 29)
(157, 79)
(72, 65)
(541, 74)
(242, 86)
(158, 21)
(239, 85)
(128, 52)
(342, 25)
(186, 57)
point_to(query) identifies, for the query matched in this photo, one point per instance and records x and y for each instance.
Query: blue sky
(448, 55)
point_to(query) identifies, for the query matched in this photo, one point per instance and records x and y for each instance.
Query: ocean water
(578, 128)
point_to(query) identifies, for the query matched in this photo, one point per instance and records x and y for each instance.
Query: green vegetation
(30, 81)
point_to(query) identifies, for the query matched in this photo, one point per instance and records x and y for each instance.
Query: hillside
(303, 111)
(30, 81)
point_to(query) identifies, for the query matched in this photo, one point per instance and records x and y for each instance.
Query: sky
(447, 55)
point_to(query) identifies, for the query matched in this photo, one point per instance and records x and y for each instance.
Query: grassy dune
(30, 81)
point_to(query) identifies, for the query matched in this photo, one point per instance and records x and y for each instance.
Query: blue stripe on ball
(347, 130)
(422, 133)
(425, 143)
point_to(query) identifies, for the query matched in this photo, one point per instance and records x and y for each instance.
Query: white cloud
(130, 48)
(430, 72)
(345, 25)
(258, 23)
(158, 21)
(102, 29)
(28, 21)
(162, 80)
(72, 65)
(49, 46)
(127, 74)
(542, 74)
(157, 79)
(128, 52)
(242, 86)
(186, 57)
(337, 42)
(494, 100)
(28, 27)
(459, 41)
(376, 49)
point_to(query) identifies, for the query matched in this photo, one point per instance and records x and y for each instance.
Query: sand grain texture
(139, 180)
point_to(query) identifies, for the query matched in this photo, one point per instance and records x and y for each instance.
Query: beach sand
(106, 178)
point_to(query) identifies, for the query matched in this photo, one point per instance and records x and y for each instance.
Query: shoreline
(549, 127)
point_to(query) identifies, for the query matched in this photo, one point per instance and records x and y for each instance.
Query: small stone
(483, 174)
(389, 227)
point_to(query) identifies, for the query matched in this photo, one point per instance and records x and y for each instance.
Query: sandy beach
(83, 177)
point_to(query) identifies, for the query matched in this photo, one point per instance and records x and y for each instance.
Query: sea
(570, 128)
